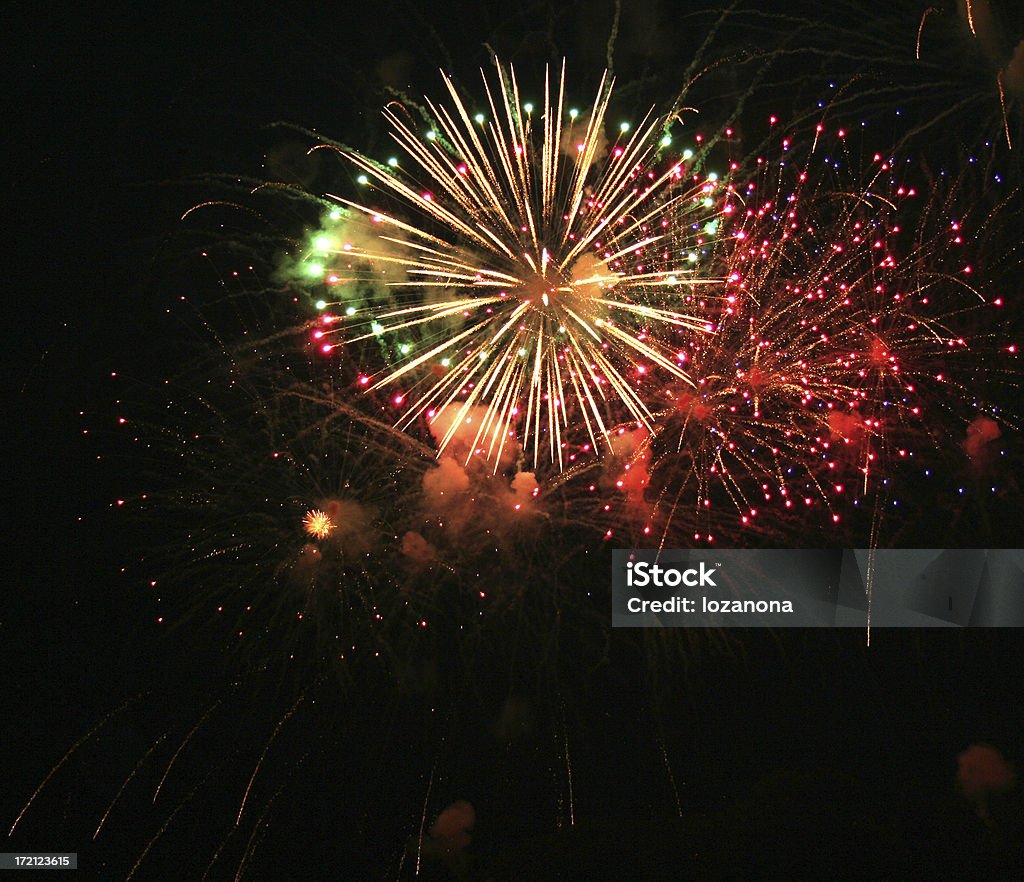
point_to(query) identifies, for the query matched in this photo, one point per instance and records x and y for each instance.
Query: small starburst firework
(318, 524)
(527, 276)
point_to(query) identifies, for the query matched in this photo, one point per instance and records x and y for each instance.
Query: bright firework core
(540, 285)
(318, 524)
(543, 290)
(587, 281)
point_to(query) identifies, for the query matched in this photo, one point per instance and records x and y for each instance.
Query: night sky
(585, 753)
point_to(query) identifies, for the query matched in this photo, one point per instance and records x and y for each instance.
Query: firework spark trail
(423, 814)
(920, 29)
(1002, 106)
(558, 268)
(668, 768)
(568, 767)
(166, 824)
(181, 747)
(259, 829)
(127, 781)
(67, 756)
(266, 749)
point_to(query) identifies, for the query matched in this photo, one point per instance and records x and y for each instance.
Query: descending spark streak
(263, 755)
(536, 285)
(166, 824)
(181, 747)
(423, 819)
(66, 757)
(1002, 105)
(260, 829)
(568, 768)
(127, 781)
(920, 29)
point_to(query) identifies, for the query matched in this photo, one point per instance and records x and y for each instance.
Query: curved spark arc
(560, 277)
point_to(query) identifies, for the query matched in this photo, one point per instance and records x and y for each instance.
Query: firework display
(842, 340)
(701, 357)
(765, 338)
(405, 397)
(533, 277)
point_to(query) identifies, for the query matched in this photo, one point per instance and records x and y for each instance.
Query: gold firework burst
(530, 277)
(318, 524)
